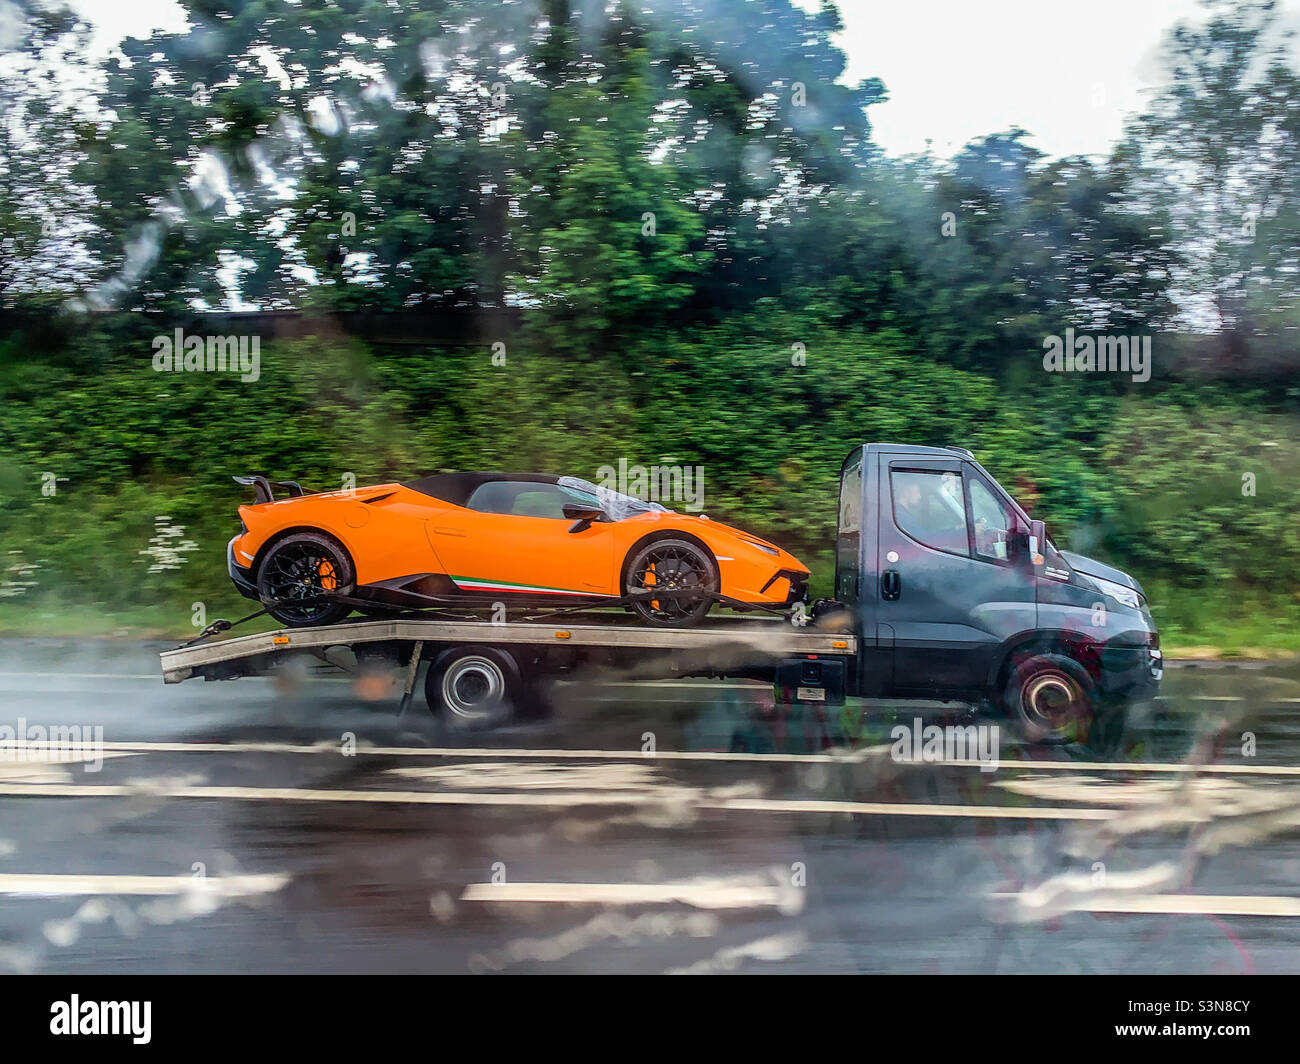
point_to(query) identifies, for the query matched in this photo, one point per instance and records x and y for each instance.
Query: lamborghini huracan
(475, 539)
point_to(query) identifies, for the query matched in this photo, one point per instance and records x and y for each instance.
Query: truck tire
(474, 687)
(1051, 698)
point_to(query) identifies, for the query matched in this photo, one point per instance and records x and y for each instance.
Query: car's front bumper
(797, 582)
(241, 576)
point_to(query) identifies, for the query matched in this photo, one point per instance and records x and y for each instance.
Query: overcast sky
(954, 69)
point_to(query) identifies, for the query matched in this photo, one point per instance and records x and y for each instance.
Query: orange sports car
(475, 539)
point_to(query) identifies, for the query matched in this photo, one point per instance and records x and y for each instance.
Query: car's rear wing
(264, 486)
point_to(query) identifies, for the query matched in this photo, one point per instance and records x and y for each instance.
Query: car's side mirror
(582, 516)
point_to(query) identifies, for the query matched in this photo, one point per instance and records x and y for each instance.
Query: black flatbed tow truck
(945, 589)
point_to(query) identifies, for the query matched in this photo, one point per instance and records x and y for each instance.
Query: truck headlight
(1125, 596)
(1155, 663)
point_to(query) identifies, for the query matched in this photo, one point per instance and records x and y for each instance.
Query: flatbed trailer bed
(758, 649)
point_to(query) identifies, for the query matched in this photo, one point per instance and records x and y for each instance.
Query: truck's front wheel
(1052, 699)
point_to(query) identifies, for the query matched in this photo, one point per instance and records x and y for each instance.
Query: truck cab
(956, 593)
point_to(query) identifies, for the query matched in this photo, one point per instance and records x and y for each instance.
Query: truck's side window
(851, 499)
(928, 506)
(992, 522)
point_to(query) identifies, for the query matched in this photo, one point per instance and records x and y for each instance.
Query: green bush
(1152, 482)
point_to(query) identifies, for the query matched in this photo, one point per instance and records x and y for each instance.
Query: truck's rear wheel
(1052, 699)
(474, 687)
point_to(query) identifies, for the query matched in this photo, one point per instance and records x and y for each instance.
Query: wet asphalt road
(292, 826)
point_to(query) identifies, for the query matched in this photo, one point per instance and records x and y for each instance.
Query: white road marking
(704, 895)
(1262, 700)
(1138, 766)
(63, 886)
(976, 812)
(847, 757)
(631, 777)
(1184, 904)
(452, 751)
(1193, 800)
(84, 675)
(554, 799)
(55, 770)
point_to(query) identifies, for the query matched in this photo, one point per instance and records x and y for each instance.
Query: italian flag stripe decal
(471, 583)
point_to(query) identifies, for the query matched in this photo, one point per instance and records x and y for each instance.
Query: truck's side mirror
(1037, 544)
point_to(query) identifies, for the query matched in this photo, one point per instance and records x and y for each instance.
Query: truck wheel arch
(1073, 645)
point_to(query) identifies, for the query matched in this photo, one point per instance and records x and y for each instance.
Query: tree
(343, 152)
(43, 212)
(1220, 150)
(609, 239)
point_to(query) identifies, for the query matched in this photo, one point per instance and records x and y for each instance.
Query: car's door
(951, 589)
(512, 537)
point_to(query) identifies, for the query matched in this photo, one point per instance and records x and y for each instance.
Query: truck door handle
(891, 585)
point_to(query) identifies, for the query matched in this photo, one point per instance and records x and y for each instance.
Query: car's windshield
(614, 503)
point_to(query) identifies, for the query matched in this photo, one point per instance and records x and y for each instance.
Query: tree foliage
(677, 199)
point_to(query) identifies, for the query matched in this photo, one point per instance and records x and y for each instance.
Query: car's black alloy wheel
(675, 565)
(300, 573)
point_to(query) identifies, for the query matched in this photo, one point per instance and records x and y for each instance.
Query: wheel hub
(670, 570)
(1050, 698)
(473, 686)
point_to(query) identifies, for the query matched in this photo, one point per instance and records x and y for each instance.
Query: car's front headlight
(1125, 596)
